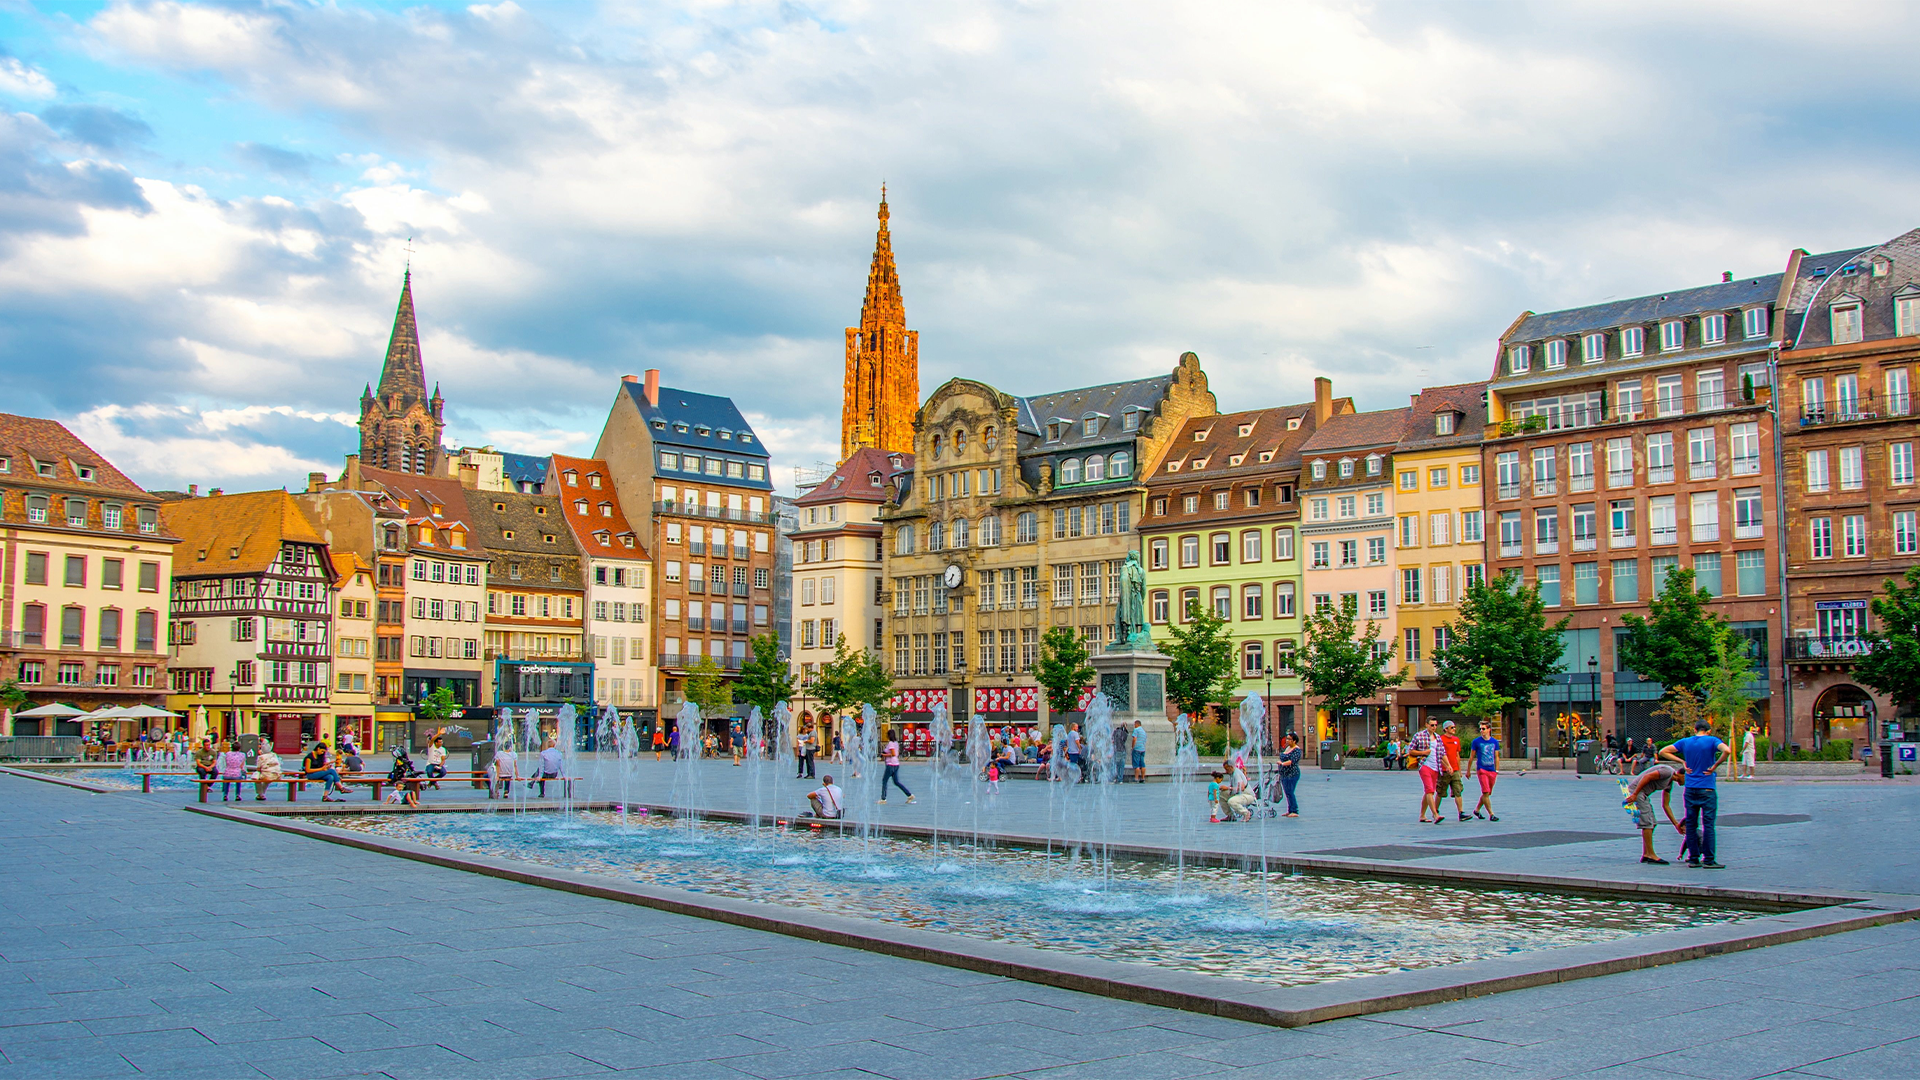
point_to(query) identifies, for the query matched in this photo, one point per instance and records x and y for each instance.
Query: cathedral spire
(403, 372)
(883, 359)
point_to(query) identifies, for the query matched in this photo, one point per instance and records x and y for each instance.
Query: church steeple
(883, 359)
(400, 426)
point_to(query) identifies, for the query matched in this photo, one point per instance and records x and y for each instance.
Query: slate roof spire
(403, 373)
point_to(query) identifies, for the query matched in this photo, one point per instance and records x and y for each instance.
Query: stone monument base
(1134, 679)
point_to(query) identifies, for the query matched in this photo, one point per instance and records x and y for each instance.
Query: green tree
(707, 687)
(1724, 684)
(438, 707)
(1891, 665)
(766, 679)
(854, 677)
(1062, 669)
(1676, 645)
(1343, 664)
(1480, 699)
(1501, 635)
(1203, 669)
(12, 696)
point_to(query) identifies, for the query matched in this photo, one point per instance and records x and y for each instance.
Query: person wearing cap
(1450, 782)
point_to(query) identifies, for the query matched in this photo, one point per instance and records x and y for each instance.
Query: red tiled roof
(853, 480)
(609, 519)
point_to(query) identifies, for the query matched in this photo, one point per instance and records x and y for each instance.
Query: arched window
(936, 446)
(992, 439)
(1096, 468)
(990, 531)
(1070, 471)
(1253, 659)
(1120, 465)
(959, 440)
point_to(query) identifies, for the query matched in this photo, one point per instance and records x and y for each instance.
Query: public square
(180, 944)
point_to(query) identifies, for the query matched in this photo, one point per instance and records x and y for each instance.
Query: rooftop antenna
(409, 247)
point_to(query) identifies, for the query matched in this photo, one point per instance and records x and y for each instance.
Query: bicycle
(1610, 762)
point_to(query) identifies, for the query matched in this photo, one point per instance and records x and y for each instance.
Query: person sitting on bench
(549, 765)
(827, 800)
(315, 767)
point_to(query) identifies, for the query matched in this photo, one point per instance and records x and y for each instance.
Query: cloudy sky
(205, 209)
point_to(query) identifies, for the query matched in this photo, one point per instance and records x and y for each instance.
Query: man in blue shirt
(1702, 755)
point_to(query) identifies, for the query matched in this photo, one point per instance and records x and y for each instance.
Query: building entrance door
(286, 735)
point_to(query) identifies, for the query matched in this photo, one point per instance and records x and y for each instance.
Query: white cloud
(197, 456)
(23, 80)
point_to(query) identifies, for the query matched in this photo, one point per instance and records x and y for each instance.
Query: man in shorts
(1138, 743)
(1426, 749)
(1486, 761)
(1639, 800)
(1450, 781)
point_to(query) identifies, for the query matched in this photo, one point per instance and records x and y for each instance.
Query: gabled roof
(1109, 400)
(1357, 431)
(236, 534)
(523, 468)
(1720, 296)
(422, 494)
(26, 439)
(854, 480)
(588, 527)
(1217, 441)
(1464, 400)
(346, 564)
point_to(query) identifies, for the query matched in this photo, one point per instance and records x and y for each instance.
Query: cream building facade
(619, 582)
(838, 559)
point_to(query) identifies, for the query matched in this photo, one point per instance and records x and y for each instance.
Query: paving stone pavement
(147, 941)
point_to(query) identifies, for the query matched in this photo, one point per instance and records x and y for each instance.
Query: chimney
(1413, 399)
(213, 491)
(1322, 400)
(316, 481)
(193, 490)
(1726, 276)
(470, 475)
(653, 387)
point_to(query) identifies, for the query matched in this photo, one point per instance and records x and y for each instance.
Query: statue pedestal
(1134, 679)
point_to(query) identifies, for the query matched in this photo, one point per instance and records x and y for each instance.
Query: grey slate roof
(1848, 273)
(717, 415)
(1720, 296)
(1111, 401)
(524, 468)
(1465, 400)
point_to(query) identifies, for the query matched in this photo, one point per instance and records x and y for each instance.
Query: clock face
(952, 577)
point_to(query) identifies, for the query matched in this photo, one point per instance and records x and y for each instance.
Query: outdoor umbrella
(54, 709)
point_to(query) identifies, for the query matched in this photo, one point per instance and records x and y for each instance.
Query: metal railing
(39, 747)
(717, 513)
(1826, 648)
(686, 660)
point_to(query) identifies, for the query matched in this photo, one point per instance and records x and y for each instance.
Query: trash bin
(249, 744)
(1886, 760)
(482, 757)
(1586, 759)
(1330, 754)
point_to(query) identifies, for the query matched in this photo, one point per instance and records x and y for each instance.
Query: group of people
(1232, 797)
(1437, 750)
(1694, 762)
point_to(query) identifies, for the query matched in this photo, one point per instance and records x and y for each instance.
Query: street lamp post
(1266, 737)
(1593, 683)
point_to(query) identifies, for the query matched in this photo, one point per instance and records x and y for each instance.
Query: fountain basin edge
(1294, 1006)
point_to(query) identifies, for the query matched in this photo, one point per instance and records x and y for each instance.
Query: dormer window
(1373, 464)
(1246, 430)
(1633, 340)
(44, 468)
(746, 437)
(1173, 466)
(513, 571)
(873, 479)
(6, 465)
(1319, 470)
(459, 538)
(1346, 467)
(426, 535)
(499, 507)
(1593, 348)
(1070, 471)
(1130, 420)
(1519, 359)
(1200, 463)
(1090, 425)
(593, 480)
(1754, 322)
(703, 431)
(540, 511)
(1713, 329)
(1293, 423)
(573, 478)
(84, 472)
(1845, 316)
(626, 539)
(1443, 423)
(1235, 460)
(680, 426)
(1266, 456)
(606, 509)
(602, 538)
(659, 425)
(725, 435)
(1556, 354)
(1673, 335)
(580, 506)
(1056, 430)
(1201, 435)
(506, 534)
(547, 537)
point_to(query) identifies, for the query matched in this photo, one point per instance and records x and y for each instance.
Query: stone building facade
(1624, 440)
(1018, 516)
(400, 424)
(1220, 532)
(1849, 353)
(535, 611)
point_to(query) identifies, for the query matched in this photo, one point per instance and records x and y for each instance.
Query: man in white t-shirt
(827, 800)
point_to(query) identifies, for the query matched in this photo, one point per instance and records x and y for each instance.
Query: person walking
(1451, 781)
(1748, 749)
(1122, 743)
(1702, 754)
(1485, 750)
(737, 739)
(1076, 752)
(659, 739)
(1137, 743)
(1393, 753)
(233, 769)
(804, 746)
(890, 759)
(1639, 803)
(1426, 749)
(1290, 755)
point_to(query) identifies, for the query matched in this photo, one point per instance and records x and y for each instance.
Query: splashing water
(979, 747)
(1186, 759)
(686, 765)
(942, 743)
(1104, 760)
(1253, 728)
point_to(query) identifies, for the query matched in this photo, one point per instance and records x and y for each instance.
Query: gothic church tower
(400, 426)
(883, 361)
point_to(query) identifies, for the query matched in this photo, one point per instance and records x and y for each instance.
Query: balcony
(1748, 532)
(682, 661)
(1746, 466)
(697, 585)
(714, 513)
(1580, 482)
(1664, 535)
(1546, 487)
(1656, 474)
(738, 626)
(697, 623)
(1511, 551)
(1623, 540)
(1825, 649)
(1585, 543)
(1509, 491)
(1546, 547)
(1620, 479)
(739, 588)
(1706, 531)
(696, 547)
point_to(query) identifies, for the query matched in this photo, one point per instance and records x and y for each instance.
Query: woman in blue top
(1290, 771)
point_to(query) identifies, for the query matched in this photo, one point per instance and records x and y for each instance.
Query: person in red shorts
(1450, 780)
(1486, 759)
(1425, 748)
